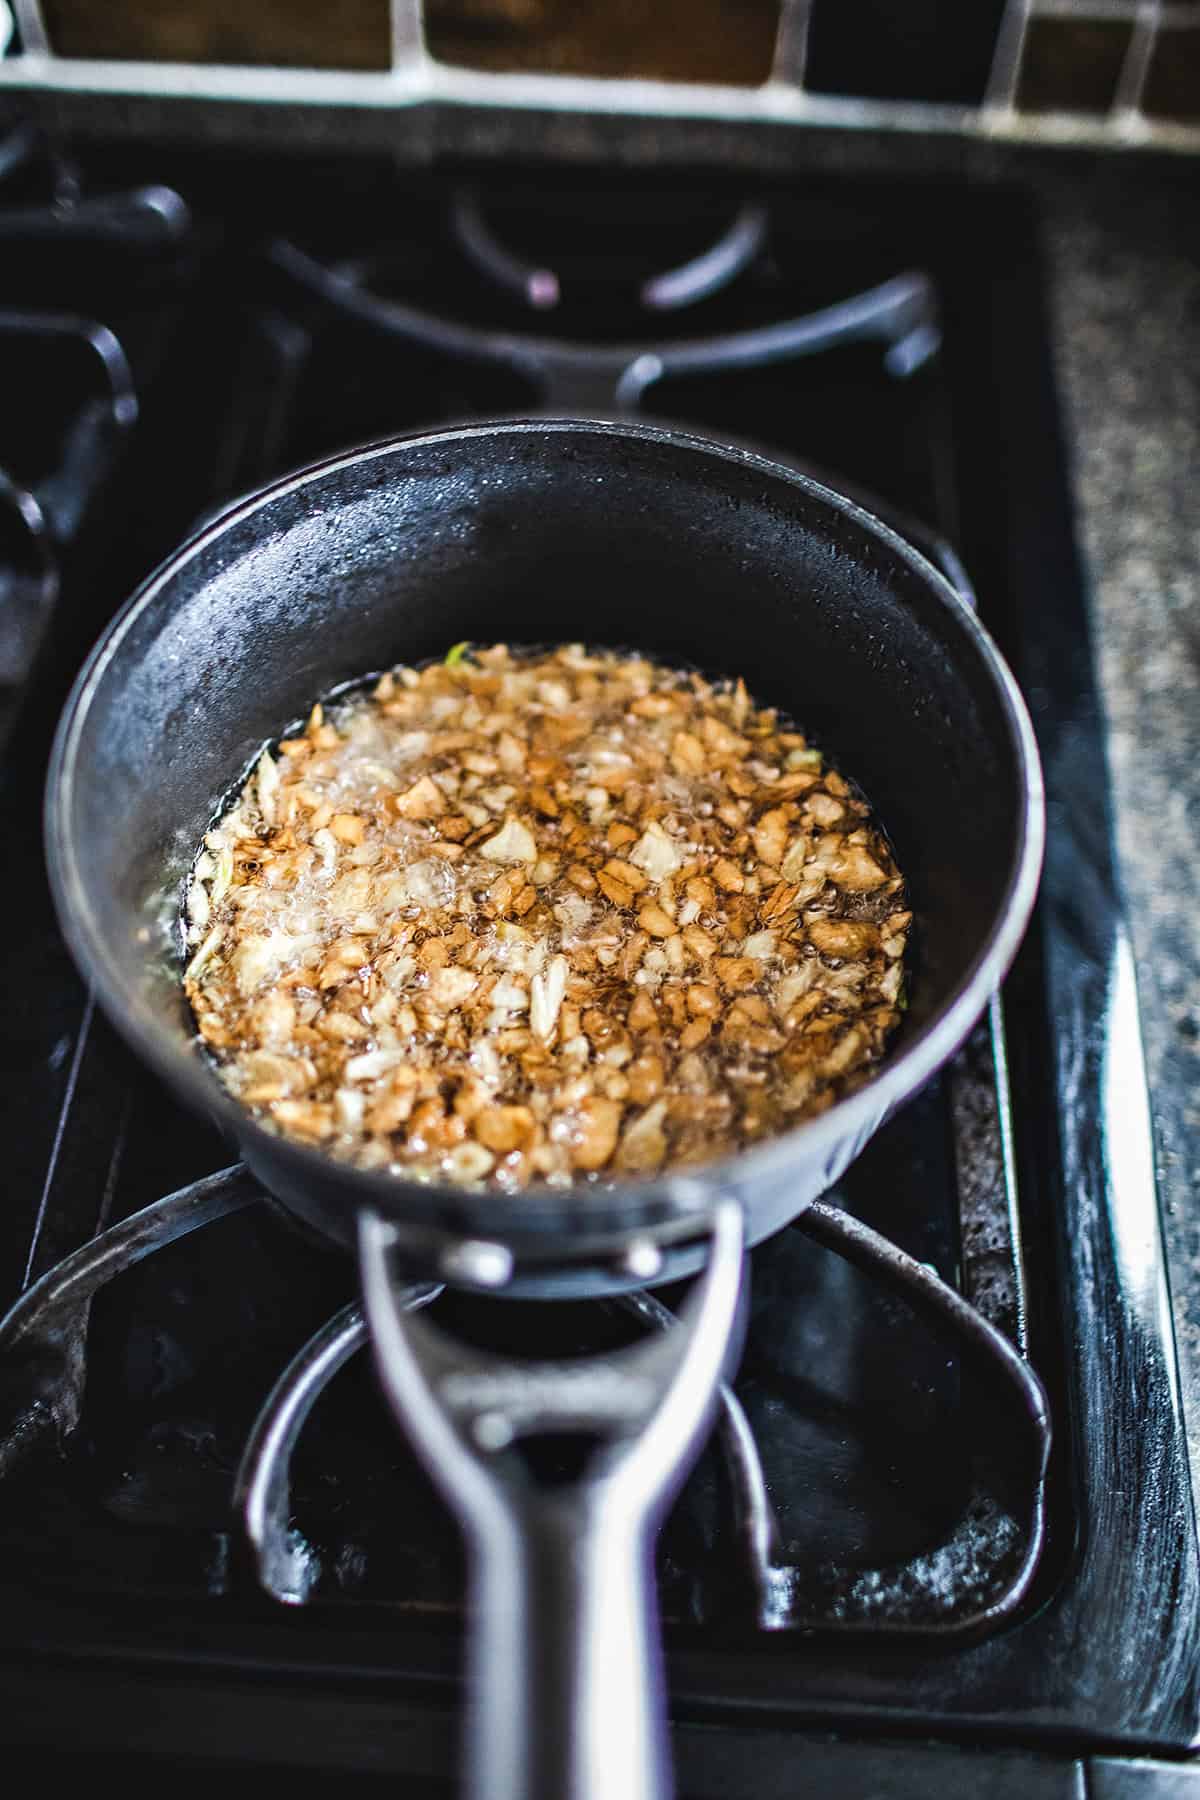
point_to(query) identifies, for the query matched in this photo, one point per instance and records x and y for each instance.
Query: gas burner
(595, 377)
(540, 286)
(1000, 1551)
(975, 1575)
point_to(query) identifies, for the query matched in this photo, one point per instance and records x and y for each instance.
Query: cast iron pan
(538, 532)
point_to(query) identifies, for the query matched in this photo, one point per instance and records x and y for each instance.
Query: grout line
(790, 61)
(1001, 95)
(1132, 80)
(408, 33)
(31, 25)
(1087, 12)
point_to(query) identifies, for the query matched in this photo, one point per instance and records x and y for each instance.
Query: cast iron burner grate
(968, 1578)
(70, 398)
(851, 1550)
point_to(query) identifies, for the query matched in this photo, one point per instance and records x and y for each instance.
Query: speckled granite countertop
(1126, 263)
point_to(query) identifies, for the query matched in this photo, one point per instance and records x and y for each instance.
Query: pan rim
(609, 1209)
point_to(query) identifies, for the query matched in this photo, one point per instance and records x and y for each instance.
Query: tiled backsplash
(1120, 72)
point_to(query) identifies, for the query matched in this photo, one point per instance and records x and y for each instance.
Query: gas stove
(870, 1547)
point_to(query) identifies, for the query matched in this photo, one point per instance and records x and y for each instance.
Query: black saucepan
(539, 532)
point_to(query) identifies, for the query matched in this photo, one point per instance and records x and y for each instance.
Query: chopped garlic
(513, 843)
(450, 987)
(543, 918)
(372, 1064)
(267, 786)
(546, 997)
(762, 945)
(657, 853)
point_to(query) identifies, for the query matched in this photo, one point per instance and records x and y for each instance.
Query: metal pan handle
(564, 1663)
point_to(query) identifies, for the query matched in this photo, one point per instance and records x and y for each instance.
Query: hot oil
(544, 916)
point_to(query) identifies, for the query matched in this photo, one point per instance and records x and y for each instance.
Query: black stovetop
(180, 345)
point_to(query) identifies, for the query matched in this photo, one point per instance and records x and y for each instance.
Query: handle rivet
(476, 1263)
(642, 1259)
(492, 1431)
